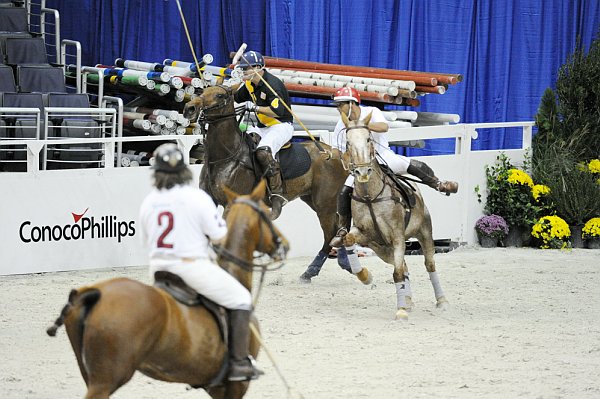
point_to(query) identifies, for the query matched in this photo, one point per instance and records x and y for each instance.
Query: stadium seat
(40, 78)
(13, 19)
(26, 50)
(68, 100)
(73, 126)
(7, 35)
(19, 127)
(7, 80)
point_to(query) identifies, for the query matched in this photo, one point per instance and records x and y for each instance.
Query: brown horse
(119, 326)
(384, 219)
(229, 161)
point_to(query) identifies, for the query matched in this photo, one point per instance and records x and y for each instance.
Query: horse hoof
(305, 278)
(402, 315)
(365, 276)
(442, 303)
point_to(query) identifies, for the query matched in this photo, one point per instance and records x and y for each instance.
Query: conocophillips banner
(72, 219)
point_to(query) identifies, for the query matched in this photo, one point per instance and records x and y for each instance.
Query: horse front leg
(362, 273)
(427, 244)
(401, 281)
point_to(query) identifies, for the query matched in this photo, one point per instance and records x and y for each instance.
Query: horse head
(359, 148)
(250, 229)
(214, 102)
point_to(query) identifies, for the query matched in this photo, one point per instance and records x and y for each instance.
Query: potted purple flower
(491, 229)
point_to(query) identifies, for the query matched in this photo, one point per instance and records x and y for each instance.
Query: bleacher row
(30, 91)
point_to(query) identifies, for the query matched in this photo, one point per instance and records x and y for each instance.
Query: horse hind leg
(428, 246)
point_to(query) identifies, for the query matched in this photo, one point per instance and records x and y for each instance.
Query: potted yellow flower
(512, 195)
(591, 233)
(552, 232)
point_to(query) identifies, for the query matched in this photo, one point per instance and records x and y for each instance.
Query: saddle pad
(295, 161)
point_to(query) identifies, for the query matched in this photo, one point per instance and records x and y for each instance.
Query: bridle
(278, 254)
(352, 165)
(204, 118)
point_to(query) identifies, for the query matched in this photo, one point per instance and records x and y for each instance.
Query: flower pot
(576, 240)
(517, 236)
(593, 243)
(488, 242)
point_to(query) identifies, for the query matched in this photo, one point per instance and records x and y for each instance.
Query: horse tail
(87, 300)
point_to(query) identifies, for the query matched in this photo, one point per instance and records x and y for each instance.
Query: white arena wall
(107, 235)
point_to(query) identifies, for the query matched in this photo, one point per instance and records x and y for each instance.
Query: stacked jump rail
(160, 89)
(380, 85)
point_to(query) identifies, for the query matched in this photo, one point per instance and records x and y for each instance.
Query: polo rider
(274, 120)
(347, 100)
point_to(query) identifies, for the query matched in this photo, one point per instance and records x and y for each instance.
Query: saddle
(401, 184)
(293, 158)
(182, 293)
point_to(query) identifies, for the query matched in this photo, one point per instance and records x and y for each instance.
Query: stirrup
(338, 240)
(283, 202)
(247, 376)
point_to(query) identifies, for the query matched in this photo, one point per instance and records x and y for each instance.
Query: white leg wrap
(401, 294)
(353, 259)
(407, 285)
(437, 288)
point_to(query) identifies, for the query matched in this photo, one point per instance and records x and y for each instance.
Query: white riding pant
(274, 136)
(209, 280)
(397, 163)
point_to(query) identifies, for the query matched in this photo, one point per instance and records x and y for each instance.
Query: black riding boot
(424, 172)
(241, 363)
(272, 171)
(344, 216)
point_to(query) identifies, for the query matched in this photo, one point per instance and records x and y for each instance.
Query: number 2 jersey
(178, 222)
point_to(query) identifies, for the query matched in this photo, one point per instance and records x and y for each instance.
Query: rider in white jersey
(347, 100)
(177, 222)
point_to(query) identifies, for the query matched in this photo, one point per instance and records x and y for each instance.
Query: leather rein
(277, 255)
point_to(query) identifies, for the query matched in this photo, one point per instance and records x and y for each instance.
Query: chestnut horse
(229, 161)
(119, 326)
(383, 218)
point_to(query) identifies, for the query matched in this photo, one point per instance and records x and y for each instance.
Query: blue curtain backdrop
(508, 51)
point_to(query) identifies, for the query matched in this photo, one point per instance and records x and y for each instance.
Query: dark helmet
(168, 158)
(251, 59)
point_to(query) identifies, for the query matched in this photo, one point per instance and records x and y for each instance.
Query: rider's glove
(250, 106)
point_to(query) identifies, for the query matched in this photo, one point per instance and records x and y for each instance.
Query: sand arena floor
(522, 323)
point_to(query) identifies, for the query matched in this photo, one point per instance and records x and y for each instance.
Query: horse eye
(220, 95)
(192, 108)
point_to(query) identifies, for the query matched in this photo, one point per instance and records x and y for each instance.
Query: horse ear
(259, 191)
(220, 80)
(235, 87)
(345, 119)
(368, 119)
(230, 194)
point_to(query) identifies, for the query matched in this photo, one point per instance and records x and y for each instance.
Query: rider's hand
(250, 106)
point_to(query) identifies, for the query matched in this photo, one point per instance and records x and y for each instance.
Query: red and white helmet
(346, 94)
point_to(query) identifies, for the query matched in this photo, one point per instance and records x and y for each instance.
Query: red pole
(295, 64)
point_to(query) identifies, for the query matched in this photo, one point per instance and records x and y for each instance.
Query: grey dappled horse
(379, 211)
(229, 162)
